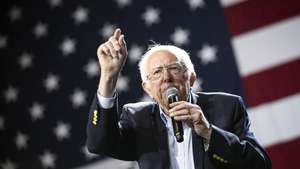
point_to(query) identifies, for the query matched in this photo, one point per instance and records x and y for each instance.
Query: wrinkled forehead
(161, 58)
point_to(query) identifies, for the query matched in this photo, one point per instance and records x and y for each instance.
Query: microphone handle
(178, 130)
(177, 125)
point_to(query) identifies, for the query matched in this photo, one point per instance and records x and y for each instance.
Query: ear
(146, 88)
(193, 78)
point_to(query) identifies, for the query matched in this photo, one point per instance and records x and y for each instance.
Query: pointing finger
(117, 34)
(122, 42)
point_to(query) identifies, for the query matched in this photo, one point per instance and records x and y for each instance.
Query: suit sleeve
(105, 135)
(237, 148)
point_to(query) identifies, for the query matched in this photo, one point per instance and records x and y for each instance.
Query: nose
(166, 75)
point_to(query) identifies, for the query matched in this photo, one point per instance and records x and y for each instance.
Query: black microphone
(172, 95)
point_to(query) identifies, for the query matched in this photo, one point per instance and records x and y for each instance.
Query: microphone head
(171, 91)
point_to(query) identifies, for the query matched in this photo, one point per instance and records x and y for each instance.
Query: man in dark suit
(215, 125)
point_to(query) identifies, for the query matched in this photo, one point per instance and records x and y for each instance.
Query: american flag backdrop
(49, 69)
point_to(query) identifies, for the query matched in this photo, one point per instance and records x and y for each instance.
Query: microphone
(172, 95)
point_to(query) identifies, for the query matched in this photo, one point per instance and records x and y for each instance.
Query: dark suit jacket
(138, 133)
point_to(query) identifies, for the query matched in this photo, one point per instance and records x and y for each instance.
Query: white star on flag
(36, 111)
(3, 42)
(11, 94)
(25, 60)
(51, 82)
(21, 141)
(151, 16)
(48, 159)
(91, 68)
(197, 87)
(122, 83)
(15, 13)
(8, 165)
(62, 131)
(123, 3)
(207, 54)
(134, 53)
(80, 15)
(55, 3)
(180, 36)
(107, 30)
(68, 46)
(40, 30)
(78, 98)
(194, 4)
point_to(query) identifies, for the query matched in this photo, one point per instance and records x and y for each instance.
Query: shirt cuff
(106, 102)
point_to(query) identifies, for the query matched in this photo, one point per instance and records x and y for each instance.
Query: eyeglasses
(174, 69)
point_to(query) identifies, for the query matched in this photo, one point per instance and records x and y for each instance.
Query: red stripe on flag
(252, 14)
(273, 83)
(285, 155)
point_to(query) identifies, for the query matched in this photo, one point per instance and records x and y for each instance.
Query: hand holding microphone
(192, 114)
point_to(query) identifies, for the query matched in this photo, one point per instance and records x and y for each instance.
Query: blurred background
(49, 69)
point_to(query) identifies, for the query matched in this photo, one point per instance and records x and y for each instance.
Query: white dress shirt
(181, 154)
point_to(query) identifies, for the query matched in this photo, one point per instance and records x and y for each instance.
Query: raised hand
(112, 55)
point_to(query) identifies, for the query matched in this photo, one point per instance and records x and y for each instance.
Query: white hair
(181, 55)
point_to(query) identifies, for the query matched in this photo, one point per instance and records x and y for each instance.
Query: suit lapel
(202, 101)
(198, 147)
(198, 151)
(161, 139)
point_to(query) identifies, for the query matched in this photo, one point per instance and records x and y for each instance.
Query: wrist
(208, 133)
(107, 86)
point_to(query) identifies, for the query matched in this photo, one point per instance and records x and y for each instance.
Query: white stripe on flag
(268, 46)
(278, 121)
(227, 3)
